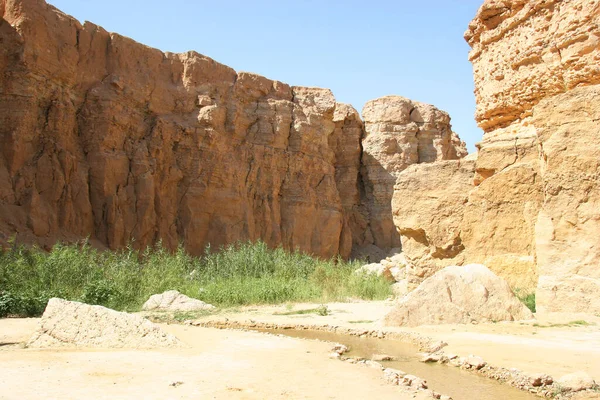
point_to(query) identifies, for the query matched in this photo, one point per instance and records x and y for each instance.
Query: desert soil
(227, 364)
(218, 364)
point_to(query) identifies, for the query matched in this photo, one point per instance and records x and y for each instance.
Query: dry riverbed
(556, 346)
(229, 364)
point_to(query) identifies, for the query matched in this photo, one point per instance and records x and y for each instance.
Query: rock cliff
(398, 133)
(106, 138)
(536, 76)
(526, 204)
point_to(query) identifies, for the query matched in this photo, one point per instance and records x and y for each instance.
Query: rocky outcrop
(568, 225)
(105, 138)
(398, 133)
(527, 50)
(532, 62)
(471, 293)
(525, 209)
(172, 300)
(72, 324)
(428, 210)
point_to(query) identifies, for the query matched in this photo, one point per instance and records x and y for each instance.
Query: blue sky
(361, 50)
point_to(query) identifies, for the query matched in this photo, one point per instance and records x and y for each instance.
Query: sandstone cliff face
(429, 204)
(399, 133)
(529, 210)
(530, 215)
(568, 226)
(103, 137)
(526, 50)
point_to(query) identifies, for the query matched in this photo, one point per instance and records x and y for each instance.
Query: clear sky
(359, 49)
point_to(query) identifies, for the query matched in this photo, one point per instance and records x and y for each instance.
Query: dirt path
(218, 365)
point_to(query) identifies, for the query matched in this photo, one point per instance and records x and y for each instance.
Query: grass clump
(575, 323)
(241, 274)
(361, 321)
(527, 298)
(322, 310)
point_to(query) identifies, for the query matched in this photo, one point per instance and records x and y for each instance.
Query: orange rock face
(105, 138)
(526, 50)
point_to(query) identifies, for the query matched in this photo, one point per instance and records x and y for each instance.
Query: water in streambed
(451, 381)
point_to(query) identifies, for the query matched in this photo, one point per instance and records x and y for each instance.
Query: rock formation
(536, 70)
(428, 204)
(73, 324)
(461, 295)
(526, 206)
(172, 300)
(398, 133)
(105, 138)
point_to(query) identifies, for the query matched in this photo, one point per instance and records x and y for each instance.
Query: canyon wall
(537, 71)
(398, 133)
(526, 205)
(106, 138)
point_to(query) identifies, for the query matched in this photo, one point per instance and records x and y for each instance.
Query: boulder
(458, 295)
(540, 379)
(72, 324)
(474, 362)
(392, 268)
(576, 381)
(172, 300)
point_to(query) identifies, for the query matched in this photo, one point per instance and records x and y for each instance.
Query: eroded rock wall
(429, 207)
(104, 137)
(529, 209)
(398, 133)
(568, 226)
(536, 68)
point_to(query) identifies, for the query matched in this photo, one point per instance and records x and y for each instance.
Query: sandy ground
(218, 364)
(226, 364)
(531, 346)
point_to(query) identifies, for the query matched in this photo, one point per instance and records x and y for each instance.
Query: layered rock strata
(105, 138)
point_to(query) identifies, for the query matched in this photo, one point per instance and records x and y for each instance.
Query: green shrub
(98, 292)
(7, 304)
(240, 274)
(527, 298)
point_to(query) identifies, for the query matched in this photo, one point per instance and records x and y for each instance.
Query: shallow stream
(444, 379)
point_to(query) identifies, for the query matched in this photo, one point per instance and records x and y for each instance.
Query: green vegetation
(578, 322)
(237, 275)
(526, 298)
(361, 321)
(322, 310)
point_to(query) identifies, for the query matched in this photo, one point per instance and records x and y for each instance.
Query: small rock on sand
(172, 300)
(576, 381)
